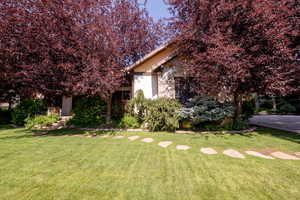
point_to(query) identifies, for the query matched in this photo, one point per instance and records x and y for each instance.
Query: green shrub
(41, 120)
(161, 115)
(137, 106)
(206, 110)
(248, 109)
(129, 122)
(27, 108)
(88, 112)
(287, 108)
(233, 125)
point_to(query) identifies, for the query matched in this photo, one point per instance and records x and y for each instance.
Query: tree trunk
(10, 104)
(238, 102)
(274, 103)
(109, 108)
(257, 105)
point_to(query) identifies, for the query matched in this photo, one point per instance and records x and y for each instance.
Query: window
(184, 89)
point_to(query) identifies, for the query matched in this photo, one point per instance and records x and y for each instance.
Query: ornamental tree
(237, 47)
(69, 48)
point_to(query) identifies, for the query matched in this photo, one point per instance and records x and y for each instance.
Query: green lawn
(76, 167)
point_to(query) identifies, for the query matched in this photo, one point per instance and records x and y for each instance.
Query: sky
(158, 9)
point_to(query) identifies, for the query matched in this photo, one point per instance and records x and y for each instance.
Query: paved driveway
(282, 122)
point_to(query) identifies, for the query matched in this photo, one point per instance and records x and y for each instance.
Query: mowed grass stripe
(70, 167)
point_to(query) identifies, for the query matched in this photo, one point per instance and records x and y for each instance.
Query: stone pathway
(257, 154)
(132, 138)
(233, 153)
(208, 151)
(119, 137)
(284, 156)
(165, 144)
(147, 140)
(182, 147)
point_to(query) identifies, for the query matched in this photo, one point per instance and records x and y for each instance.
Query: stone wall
(166, 75)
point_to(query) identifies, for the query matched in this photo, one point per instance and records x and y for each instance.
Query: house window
(183, 89)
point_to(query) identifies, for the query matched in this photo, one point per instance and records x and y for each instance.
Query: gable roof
(150, 55)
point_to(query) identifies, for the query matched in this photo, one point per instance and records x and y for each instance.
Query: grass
(59, 166)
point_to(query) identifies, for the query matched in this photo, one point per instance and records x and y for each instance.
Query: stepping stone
(182, 147)
(257, 154)
(284, 156)
(119, 137)
(132, 138)
(147, 140)
(105, 136)
(233, 153)
(165, 144)
(208, 151)
(297, 153)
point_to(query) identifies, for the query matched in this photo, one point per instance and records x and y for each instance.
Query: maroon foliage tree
(238, 47)
(70, 48)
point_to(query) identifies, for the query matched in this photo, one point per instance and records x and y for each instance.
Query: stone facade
(166, 78)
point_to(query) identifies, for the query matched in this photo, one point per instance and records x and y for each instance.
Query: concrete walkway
(282, 122)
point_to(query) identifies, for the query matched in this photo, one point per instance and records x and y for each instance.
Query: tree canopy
(67, 48)
(238, 47)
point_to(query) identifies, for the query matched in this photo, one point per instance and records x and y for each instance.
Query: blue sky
(158, 9)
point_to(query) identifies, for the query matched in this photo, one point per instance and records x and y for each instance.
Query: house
(160, 74)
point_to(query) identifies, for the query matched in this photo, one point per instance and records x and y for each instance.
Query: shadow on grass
(6, 127)
(26, 133)
(70, 132)
(293, 137)
(19, 133)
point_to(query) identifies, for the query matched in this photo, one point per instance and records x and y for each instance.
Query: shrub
(27, 108)
(248, 109)
(206, 109)
(137, 106)
(88, 111)
(129, 122)
(161, 115)
(41, 120)
(287, 108)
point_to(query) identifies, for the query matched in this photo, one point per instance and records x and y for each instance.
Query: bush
(88, 112)
(137, 106)
(287, 108)
(248, 109)
(129, 122)
(41, 120)
(161, 115)
(27, 108)
(206, 110)
(232, 125)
